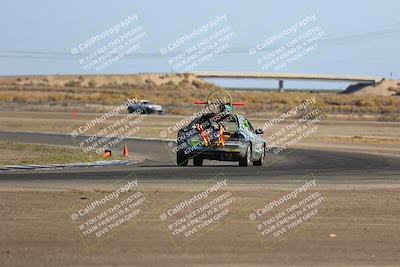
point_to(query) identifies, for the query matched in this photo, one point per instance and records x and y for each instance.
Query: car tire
(246, 160)
(260, 162)
(198, 161)
(181, 159)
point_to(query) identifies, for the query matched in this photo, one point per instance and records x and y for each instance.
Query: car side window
(248, 125)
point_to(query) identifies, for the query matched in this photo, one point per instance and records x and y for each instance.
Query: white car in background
(146, 107)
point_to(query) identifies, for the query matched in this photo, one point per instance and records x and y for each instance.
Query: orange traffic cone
(125, 152)
(107, 154)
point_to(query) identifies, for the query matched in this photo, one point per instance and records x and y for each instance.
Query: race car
(220, 135)
(146, 107)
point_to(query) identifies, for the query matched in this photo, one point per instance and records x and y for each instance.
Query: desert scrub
(20, 153)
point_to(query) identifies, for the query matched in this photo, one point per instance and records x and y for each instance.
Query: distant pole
(391, 76)
(281, 90)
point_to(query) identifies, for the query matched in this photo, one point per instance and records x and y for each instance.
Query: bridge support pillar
(281, 90)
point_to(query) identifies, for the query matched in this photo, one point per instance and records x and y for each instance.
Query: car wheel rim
(263, 157)
(248, 156)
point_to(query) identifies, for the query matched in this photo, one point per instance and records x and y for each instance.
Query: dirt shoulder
(13, 153)
(361, 229)
(20, 154)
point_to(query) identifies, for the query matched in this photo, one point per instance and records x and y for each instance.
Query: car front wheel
(260, 162)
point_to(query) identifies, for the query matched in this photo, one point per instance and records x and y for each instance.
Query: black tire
(181, 159)
(197, 161)
(246, 160)
(260, 162)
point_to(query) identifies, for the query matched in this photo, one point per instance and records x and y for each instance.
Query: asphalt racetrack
(158, 166)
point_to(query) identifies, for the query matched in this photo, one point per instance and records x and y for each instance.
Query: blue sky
(361, 37)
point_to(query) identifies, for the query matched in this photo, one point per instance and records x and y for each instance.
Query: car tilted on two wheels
(221, 136)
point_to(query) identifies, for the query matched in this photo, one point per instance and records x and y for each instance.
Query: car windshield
(213, 120)
(229, 122)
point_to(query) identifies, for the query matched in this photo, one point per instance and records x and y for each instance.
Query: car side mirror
(259, 131)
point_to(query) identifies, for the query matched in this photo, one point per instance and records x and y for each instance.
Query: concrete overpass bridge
(281, 77)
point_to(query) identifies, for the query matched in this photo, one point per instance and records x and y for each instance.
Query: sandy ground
(361, 228)
(383, 88)
(21, 154)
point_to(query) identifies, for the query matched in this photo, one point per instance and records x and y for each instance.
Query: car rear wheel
(260, 162)
(181, 159)
(246, 160)
(197, 161)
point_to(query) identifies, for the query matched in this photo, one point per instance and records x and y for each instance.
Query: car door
(254, 138)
